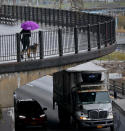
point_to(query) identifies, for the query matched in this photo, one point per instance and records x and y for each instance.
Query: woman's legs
(25, 43)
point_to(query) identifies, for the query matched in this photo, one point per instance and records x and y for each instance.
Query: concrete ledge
(119, 104)
(56, 61)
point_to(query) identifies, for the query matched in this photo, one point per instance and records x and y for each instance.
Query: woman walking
(26, 34)
(25, 39)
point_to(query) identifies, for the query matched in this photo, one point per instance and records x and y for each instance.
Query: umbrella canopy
(29, 25)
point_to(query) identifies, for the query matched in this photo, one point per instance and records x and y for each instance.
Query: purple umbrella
(29, 25)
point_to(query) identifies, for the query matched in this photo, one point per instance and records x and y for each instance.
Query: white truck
(82, 96)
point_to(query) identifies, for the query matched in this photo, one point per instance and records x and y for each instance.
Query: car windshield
(29, 108)
(94, 97)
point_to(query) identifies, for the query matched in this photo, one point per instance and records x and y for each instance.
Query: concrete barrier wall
(119, 114)
(119, 104)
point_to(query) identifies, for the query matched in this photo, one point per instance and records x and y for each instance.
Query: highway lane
(43, 94)
(41, 90)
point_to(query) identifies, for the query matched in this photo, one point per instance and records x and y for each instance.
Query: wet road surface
(41, 90)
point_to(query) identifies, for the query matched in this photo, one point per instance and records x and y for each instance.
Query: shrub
(114, 56)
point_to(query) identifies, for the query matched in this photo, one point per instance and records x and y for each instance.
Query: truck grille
(96, 114)
(103, 114)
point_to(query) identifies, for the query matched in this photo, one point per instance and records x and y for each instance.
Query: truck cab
(92, 107)
(82, 96)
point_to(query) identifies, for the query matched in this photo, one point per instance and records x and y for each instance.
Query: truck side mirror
(44, 108)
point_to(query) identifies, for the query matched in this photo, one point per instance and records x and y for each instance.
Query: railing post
(88, 34)
(18, 47)
(115, 90)
(49, 15)
(58, 17)
(88, 17)
(106, 33)
(41, 49)
(111, 32)
(25, 13)
(33, 15)
(76, 40)
(4, 9)
(75, 18)
(53, 16)
(60, 42)
(45, 16)
(62, 18)
(21, 13)
(114, 32)
(123, 91)
(29, 13)
(98, 36)
(67, 18)
(37, 15)
(70, 16)
(41, 15)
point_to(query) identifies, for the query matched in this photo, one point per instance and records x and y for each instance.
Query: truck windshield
(94, 97)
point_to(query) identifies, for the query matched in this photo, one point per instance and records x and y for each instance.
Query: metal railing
(73, 32)
(118, 88)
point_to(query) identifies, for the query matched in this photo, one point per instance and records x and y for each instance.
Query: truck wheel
(112, 128)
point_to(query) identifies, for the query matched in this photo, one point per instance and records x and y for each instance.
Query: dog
(31, 50)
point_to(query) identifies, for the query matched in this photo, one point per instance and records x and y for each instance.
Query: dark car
(29, 113)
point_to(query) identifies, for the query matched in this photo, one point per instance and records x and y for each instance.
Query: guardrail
(74, 32)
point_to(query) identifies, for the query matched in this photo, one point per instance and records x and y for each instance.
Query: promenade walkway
(65, 33)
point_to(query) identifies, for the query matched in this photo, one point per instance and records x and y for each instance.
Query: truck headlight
(83, 118)
(110, 116)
